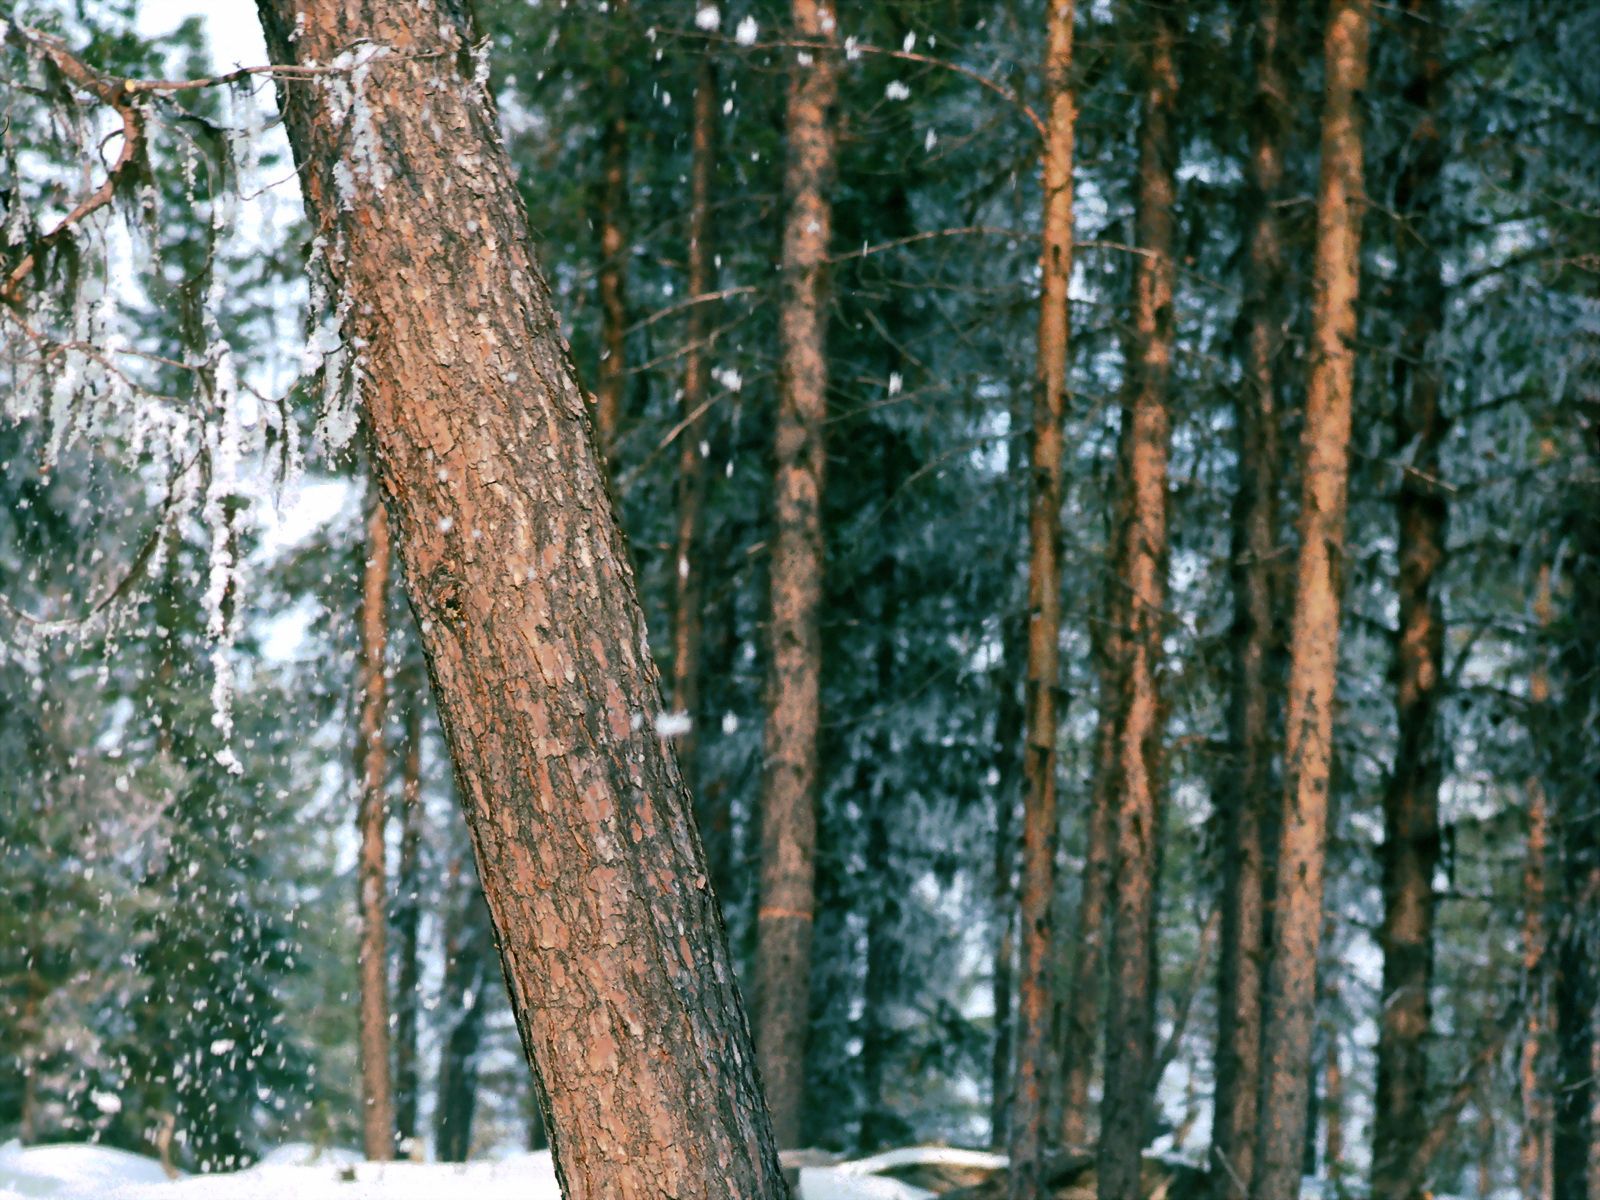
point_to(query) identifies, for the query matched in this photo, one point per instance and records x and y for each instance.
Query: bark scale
(1247, 794)
(377, 1104)
(1142, 578)
(1028, 1138)
(794, 686)
(519, 578)
(1411, 842)
(1289, 1011)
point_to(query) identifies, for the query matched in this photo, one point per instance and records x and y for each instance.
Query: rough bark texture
(1034, 1008)
(1411, 802)
(1289, 1011)
(377, 1105)
(518, 575)
(612, 376)
(1142, 575)
(1247, 793)
(794, 687)
(407, 919)
(688, 594)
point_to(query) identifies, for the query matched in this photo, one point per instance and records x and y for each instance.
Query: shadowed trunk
(1034, 1004)
(612, 378)
(1533, 1150)
(1247, 794)
(407, 919)
(1289, 1010)
(1142, 576)
(377, 1112)
(519, 579)
(794, 686)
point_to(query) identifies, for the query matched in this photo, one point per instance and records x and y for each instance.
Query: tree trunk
(377, 1111)
(1332, 1095)
(407, 920)
(1247, 796)
(468, 950)
(1533, 1151)
(1142, 574)
(1008, 730)
(1577, 993)
(1034, 1007)
(794, 687)
(688, 595)
(1411, 802)
(518, 576)
(612, 376)
(1289, 1012)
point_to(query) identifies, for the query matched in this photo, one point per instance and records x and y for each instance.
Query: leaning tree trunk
(518, 575)
(1289, 1011)
(1142, 571)
(1034, 1005)
(1411, 802)
(794, 685)
(377, 1106)
(1247, 794)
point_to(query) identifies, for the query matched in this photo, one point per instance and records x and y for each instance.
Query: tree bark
(1289, 1011)
(377, 1106)
(1247, 797)
(1411, 803)
(407, 921)
(519, 578)
(1035, 1008)
(1533, 1150)
(1142, 575)
(688, 595)
(612, 375)
(794, 686)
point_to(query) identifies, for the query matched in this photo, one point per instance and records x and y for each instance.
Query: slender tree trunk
(1289, 1012)
(1411, 803)
(1035, 1007)
(377, 1111)
(519, 579)
(1142, 572)
(612, 377)
(1533, 1151)
(469, 949)
(688, 595)
(1332, 1094)
(1248, 795)
(408, 912)
(794, 688)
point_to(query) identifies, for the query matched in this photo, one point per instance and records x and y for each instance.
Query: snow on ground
(84, 1172)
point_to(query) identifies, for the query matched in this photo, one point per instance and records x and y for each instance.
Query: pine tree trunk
(1142, 573)
(1034, 1004)
(407, 920)
(468, 948)
(518, 576)
(377, 1112)
(1289, 1012)
(794, 687)
(1247, 794)
(1533, 1151)
(1411, 803)
(688, 596)
(612, 376)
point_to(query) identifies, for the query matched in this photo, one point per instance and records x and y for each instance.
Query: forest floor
(88, 1172)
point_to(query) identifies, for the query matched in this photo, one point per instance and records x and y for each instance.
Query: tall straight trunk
(688, 595)
(1142, 574)
(1034, 990)
(794, 686)
(377, 1106)
(1247, 794)
(518, 576)
(1533, 1150)
(1332, 1093)
(1411, 803)
(469, 950)
(407, 919)
(1289, 1011)
(612, 376)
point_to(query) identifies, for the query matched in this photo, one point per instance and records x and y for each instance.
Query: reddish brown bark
(1533, 1150)
(1142, 574)
(1411, 802)
(1289, 1011)
(789, 784)
(407, 918)
(1034, 1005)
(612, 376)
(377, 1106)
(1247, 797)
(519, 578)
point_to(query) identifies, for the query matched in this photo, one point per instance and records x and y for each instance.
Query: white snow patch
(747, 32)
(708, 17)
